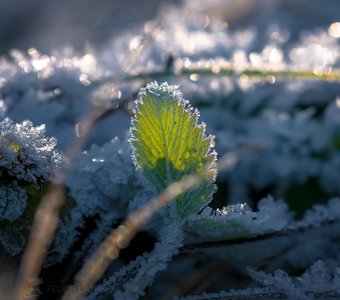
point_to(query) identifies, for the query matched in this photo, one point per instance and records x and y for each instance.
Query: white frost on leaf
(239, 221)
(14, 238)
(103, 178)
(317, 282)
(13, 200)
(101, 184)
(26, 154)
(318, 214)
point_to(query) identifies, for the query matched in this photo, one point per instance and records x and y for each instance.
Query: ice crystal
(131, 281)
(103, 178)
(316, 282)
(14, 238)
(13, 200)
(102, 229)
(100, 184)
(66, 235)
(28, 161)
(238, 220)
(27, 155)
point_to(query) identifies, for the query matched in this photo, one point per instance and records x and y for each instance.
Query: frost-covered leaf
(100, 184)
(26, 154)
(234, 221)
(14, 238)
(103, 178)
(317, 282)
(169, 144)
(28, 159)
(17, 217)
(12, 202)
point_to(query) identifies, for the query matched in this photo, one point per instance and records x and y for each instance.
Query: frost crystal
(13, 200)
(26, 154)
(321, 213)
(14, 238)
(66, 235)
(316, 283)
(101, 185)
(131, 281)
(28, 160)
(103, 178)
(239, 221)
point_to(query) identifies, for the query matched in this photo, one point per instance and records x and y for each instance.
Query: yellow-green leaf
(169, 144)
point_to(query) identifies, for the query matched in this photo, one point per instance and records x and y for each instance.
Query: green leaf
(169, 144)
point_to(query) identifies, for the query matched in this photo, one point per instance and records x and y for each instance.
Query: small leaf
(169, 144)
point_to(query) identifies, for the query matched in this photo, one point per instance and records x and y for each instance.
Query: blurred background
(47, 25)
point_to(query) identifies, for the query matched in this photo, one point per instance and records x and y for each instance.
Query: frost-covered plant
(317, 282)
(28, 162)
(26, 154)
(13, 202)
(234, 77)
(130, 281)
(102, 183)
(101, 175)
(169, 144)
